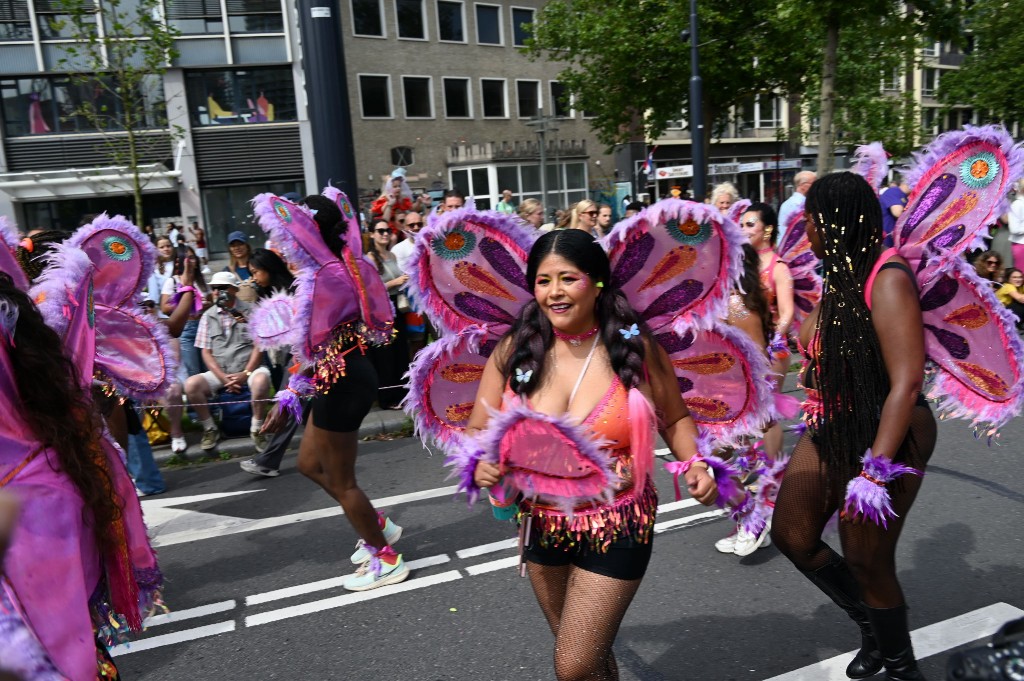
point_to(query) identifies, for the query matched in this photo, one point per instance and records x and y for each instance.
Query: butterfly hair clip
(523, 376)
(630, 332)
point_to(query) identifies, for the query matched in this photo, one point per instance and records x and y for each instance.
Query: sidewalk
(377, 422)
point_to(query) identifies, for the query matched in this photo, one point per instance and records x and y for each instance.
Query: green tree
(120, 64)
(991, 78)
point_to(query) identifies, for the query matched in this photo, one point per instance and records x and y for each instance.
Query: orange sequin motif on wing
(675, 262)
(983, 379)
(475, 278)
(971, 316)
(958, 208)
(707, 407)
(458, 413)
(462, 373)
(711, 363)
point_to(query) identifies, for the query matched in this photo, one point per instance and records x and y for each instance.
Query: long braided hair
(850, 370)
(532, 335)
(754, 298)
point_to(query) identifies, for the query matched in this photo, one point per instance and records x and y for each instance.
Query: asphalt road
(254, 581)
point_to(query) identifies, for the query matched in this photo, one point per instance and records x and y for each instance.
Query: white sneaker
(178, 445)
(365, 579)
(728, 544)
(747, 543)
(392, 533)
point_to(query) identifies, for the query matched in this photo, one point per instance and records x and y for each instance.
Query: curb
(377, 422)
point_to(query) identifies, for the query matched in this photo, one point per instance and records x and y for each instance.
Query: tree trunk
(133, 164)
(826, 134)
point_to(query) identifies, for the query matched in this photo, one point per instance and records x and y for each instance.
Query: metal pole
(323, 61)
(544, 167)
(696, 113)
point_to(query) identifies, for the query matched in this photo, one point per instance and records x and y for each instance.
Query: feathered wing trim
(54, 291)
(353, 237)
(425, 370)
(872, 163)
(8, 247)
(275, 216)
(737, 209)
(867, 496)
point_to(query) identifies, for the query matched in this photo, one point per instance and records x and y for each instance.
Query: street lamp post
(696, 111)
(543, 125)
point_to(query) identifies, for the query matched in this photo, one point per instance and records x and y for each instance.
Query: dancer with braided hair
(865, 351)
(577, 351)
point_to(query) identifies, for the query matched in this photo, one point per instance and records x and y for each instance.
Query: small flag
(649, 163)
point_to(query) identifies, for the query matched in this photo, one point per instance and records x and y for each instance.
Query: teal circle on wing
(978, 170)
(282, 211)
(118, 248)
(455, 244)
(346, 208)
(689, 232)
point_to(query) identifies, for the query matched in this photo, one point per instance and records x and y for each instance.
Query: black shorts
(347, 403)
(626, 558)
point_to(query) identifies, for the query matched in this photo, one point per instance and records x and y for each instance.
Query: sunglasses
(220, 288)
(382, 231)
(991, 262)
(591, 213)
(414, 224)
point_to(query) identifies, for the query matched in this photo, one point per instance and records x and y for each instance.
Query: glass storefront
(229, 209)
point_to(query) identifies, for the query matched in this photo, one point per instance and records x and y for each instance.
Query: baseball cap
(238, 236)
(224, 279)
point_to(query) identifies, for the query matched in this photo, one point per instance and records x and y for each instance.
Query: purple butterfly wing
(721, 376)
(468, 268)
(959, 185)
(123, 256)
(676, 262)
(971, 339)
(796, 252)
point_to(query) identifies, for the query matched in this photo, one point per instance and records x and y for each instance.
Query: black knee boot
(893, 636)
(836, 580)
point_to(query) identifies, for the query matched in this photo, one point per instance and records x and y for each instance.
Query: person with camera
(231, 359)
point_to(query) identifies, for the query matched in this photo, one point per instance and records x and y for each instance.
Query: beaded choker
(575, 339)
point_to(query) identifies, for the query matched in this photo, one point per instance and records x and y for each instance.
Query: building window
(451, 21)
(411, 22)
(929, 82)
(892, 82)
(48, 105)
(14, 21)
(931, 49)
(375, 96)
(255, 16)
(528, 98)
(227, 209)
(488, 24)
(522, 25)
(456, 98)
(492, 91)
(368, 18)
(241, 96)
(769, 114)
(402, 156)
(49, 13)
(419, 100)
(560, 100)
(197, 17)
(929, 119)
(566, 182)
(678, 123)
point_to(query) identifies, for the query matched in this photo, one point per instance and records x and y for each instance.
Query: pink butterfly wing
(676, 262)
(795, 251)
(468, 268)
(721, 376)
(123, 256)
(959, 183)
(133, 351)
(972, 339)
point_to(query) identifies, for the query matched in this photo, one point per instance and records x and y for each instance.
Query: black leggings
(807, 499)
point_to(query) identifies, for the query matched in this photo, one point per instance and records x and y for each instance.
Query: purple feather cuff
(290, 399)
(866, 495)
(463, 454)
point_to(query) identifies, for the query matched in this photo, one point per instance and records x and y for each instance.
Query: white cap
(224, 279)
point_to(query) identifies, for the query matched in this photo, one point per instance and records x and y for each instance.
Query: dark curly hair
(271, 263)
(328, 219)
(59, 412)
(754, 298)
(531, 334)
(31, 261)
(850, 370)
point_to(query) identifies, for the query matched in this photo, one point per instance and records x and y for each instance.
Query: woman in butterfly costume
(80, 572)
(562, 357)
(884, 314)
(338, 307)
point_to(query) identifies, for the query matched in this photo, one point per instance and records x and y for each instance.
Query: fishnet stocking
(584, 610)
(807, 500)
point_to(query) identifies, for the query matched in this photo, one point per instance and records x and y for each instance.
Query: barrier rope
(186, 405)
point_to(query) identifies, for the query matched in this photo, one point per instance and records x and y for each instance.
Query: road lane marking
(679, 522)
(164, 502)
(487, 548)
(677, 505)
(189, 613)
(333, 582)
(250, 525)
(492, 566)
(928, 641)
(171, 639)
(349, 599)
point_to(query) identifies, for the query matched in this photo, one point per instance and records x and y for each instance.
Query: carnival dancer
(881, 316)
(569, 347)
(584, 365)
(339, 306)
(80, 572)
